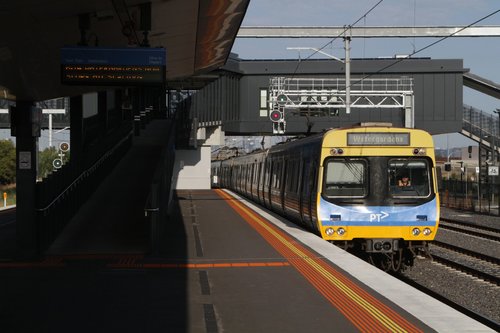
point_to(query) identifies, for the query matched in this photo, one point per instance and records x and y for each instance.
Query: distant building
(462, 162)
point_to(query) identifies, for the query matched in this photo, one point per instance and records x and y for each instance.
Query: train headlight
(427, 231)
(336, 151)
(419, 151)
(340, 231)
(329, 231)
(415, 231)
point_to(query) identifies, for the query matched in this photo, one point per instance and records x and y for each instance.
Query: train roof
(337, 135)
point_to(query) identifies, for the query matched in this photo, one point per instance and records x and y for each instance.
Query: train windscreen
(346, 178)
(409, 178)
(377, 180)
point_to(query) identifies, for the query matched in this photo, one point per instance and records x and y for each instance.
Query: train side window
(275, 174)
(409, 178)
(292, 175)
(345, 177)
(268, 175)
(278, 175)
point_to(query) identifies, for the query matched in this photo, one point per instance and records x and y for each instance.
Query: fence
(468, 195)
(480, 123)
(61, 194)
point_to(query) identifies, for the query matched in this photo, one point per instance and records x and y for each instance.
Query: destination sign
(112, 66)
(378, 139)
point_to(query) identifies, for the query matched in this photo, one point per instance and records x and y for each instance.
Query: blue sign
(112, 66)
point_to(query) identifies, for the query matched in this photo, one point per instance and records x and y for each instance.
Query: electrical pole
(496, 154)
(347, 45)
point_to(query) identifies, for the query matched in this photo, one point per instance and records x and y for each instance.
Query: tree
(45, 160)
(7, 162)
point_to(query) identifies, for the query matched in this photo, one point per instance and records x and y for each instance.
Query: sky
(481, 55)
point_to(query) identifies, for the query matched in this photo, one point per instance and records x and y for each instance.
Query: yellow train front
(370, 189)
(377, 192)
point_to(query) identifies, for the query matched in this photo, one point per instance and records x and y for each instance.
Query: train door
(267, 184)
(250, 182)
(291, 195)
(260, 182)
(275, 185)
(304, 195)
(245, 179)
(308, 193)
(313, 195)
(284, 169)
(300, 180)
(255, 183)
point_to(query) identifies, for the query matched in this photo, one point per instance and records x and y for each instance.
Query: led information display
(112, 66)
(378, 139)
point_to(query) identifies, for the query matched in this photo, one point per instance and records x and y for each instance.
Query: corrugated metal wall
(234, 100)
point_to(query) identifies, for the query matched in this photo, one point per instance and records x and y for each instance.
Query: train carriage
(370, 189)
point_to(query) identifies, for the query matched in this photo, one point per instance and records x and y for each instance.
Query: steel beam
(368, 32)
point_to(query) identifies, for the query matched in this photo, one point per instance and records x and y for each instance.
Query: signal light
(276, 115)
(279, 127)
(281, 99)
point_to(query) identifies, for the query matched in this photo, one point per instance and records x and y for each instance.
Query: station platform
(224, 265)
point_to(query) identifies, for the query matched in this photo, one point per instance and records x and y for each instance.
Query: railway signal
(277, 116)
(281, 99)
(57, 163)
(64, 146)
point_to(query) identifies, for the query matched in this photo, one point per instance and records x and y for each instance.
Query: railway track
(472, 229)
(439, 296)
(465, 270)
(470, 253)
(467, 260)
(461, 267)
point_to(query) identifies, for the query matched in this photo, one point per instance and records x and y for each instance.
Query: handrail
(85, 173)
(487, 123)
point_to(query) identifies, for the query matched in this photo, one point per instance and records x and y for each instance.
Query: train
(370, 189)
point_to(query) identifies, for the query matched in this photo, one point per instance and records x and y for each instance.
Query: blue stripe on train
(423, 215)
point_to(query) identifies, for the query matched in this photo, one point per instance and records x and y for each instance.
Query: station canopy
(197, 36)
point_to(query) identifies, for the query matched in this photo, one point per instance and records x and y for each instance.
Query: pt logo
(378, 217)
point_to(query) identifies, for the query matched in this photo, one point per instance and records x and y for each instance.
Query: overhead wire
(346, 28)
(424, 48)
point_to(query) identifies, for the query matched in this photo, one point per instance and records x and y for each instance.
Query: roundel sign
(64, 146)
(57, 163)
(275, 115)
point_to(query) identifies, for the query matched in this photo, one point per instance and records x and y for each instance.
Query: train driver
(404, 181)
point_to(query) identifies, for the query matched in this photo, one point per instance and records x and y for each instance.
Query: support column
(27, 229)
(142, 107)
(102, 110)
(76, 133)
(136, 106)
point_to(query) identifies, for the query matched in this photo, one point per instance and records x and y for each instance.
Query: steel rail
(470, 313)
(471, 232)
(468, 270)
(477, 255)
